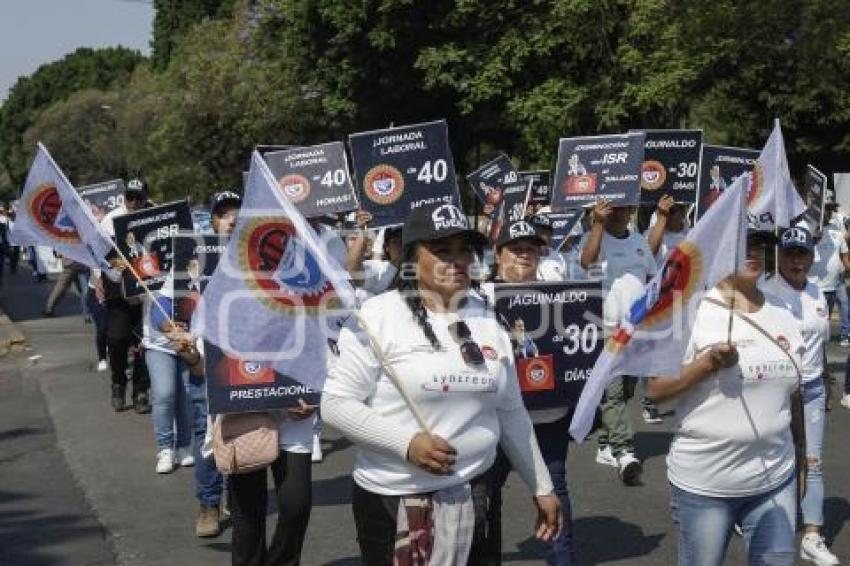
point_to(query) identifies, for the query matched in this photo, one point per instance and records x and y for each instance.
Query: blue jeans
(704, 525)
(842, 299)
(208, 481)
(814, 407)
(170, 407)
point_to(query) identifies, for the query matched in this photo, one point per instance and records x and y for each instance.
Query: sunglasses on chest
(469, 349)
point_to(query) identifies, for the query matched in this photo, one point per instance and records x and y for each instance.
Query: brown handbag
(245, 442)
(798, 422)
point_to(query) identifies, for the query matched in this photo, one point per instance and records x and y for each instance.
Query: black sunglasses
(469, 350)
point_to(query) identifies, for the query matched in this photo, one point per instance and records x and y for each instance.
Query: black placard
(103, 197)
(511, 207)
(195, 259)
(144, 237)
(814, 193)
(719, 167)
(670, 165)
(563, 338)
(541, 186)
(315, 179)
(239, 386)
(562, 223)
(595, 167)
(400, 169)
(489, 181)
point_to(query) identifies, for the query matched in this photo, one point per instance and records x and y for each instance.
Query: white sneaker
(845, 401)
(184, 457)
(317, 449)
(605, 457)
(102, 365)
(630, 468)
(813, 549)
(165, 461)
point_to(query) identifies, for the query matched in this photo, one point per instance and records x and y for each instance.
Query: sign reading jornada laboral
(541, 182)
(195, 259)
(719, 168)
(400, 169)
(103, 197)
(670, 165)
(814, 192)
(235, 385)
(144, 237)
(315, 179)
(597, 167)
(556, 338)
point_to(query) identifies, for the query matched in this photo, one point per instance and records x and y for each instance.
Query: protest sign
(315, 179)
(541, 182)
(400, 169)
(719, 167)
(511, 207)
(814, 195)
(670, 165)
(557, 335)
(144, 237)
(562, 224)
(103, 197)
(596, 167)
(195, 259)
(237, 386)
(488, 182)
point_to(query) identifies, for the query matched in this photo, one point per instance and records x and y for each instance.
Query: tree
(175, 18)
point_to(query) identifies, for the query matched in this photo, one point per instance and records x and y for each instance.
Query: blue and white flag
(652, 337)
(276, 287)
(51, 213)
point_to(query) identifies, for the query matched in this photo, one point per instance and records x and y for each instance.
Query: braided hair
(409, 290)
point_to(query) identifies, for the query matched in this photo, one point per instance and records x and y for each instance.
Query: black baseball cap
(797, 237)
(136, 186)
(431, 222)
(520, 230)
(224, 197)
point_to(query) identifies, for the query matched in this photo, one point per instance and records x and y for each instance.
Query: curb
(11, 339)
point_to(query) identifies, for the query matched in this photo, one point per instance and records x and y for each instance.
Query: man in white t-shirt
(629, 264)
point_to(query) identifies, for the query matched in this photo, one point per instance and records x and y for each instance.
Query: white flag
(273, 292)
(652, 338)
(776, 201)
(52, 214)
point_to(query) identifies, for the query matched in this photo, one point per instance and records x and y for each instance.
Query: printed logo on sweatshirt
(462, 383)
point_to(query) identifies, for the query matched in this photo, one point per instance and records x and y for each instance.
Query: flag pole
(737, 259)
(391, 374)
(141, 282)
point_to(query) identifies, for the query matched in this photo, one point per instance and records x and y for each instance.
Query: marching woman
(732, 458)
(420, 495)
(517, 261)
(808, 305)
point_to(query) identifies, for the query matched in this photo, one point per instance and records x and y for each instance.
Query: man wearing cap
(808, 305)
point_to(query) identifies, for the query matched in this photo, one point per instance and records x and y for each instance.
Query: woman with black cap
(420, 495)
(732, 458)
(517, 260)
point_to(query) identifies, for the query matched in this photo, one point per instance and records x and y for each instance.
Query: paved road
(121, 506)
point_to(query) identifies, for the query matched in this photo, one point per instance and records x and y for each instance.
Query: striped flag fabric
(52, 214)
(653, 335)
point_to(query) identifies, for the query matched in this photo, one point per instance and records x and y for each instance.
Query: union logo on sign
(295, 187)
(383, 184)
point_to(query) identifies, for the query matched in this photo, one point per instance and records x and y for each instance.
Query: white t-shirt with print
(377, 276)
(809, 309)
(733, 429)
(459, 402)
(827, 269)
(552, 267)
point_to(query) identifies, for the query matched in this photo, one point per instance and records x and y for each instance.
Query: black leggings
(375, 517)
(123, 330)
(292, 474)
(98, 314)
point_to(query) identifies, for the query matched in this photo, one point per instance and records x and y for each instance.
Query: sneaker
(317, 449)
(165, 461)
(845, 341)
(141, 403)
(630, 468)
(209, 522)
(183, 456)
(102, 365)
(813, 549)
(605, 457)
(118, 397)
(845, 401)
(651, 415)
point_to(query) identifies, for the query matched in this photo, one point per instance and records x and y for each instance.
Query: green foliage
(175, 18)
